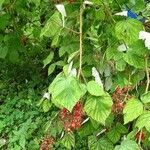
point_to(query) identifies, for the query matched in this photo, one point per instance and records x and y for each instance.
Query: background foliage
(83, 84)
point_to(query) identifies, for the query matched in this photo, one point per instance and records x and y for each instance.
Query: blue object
(131, 14)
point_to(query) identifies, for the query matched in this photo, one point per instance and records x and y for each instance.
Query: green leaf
(95, 123)
(109, 121)
(115, 133)
(97, 2)
(22, 141)
(36, 2)
(137, 77)
(134, 60)
(51, 68)
(87, 129)
(3, 52)
(33, 145)
(110, 52)
(128, 30)
(99, 14)
(132, 110)
(121, 129)
(14, 56)
(4, 19)
(143, 121)
(48, 59)
(137, 5)
(101, 144)
(68, 140)
(52, 26)
(55, 40)
(71, 56)
(108, 83)
(132, 134)
(127, 145)
(66, 91)
(95, 89)
(138, 48)
(69, 47)
(113, 53)
(1, 3)
(145, 98)
(60, 63)
(98, 108)
(46, 105)
(120, 65)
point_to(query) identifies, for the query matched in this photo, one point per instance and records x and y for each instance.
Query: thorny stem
(81, 42)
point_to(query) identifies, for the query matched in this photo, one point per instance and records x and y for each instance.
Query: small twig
(101, 132)
(139, 141)
(81, 42)
(72, 30)
(66, 27)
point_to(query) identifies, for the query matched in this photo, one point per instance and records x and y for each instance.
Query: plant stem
(147, 74)
(146, 90)
(81, 42)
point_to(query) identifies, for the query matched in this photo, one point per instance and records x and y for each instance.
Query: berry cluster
(118, 99)
(73, 120)
(47, 143)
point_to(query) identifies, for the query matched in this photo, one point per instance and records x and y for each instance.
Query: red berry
(77, 106)
(78, 125)
(119, 90)
(77, 114)
(65, 110)
(72, 120)
(73, 125)
(118, 107)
